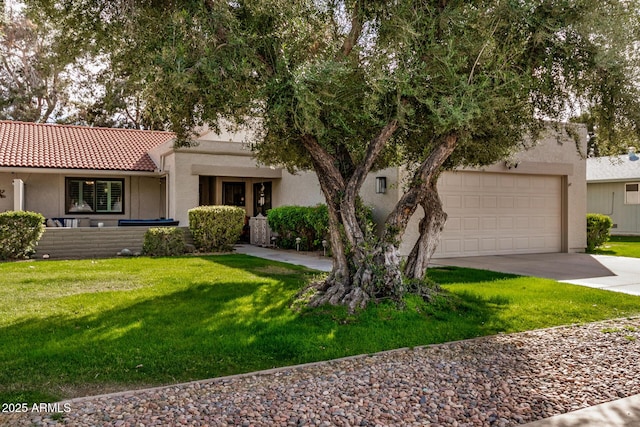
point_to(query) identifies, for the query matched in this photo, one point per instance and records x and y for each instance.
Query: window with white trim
(90, 195)
(632, 193)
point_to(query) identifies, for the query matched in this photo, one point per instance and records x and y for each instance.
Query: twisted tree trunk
(431, 226)
(366, 269)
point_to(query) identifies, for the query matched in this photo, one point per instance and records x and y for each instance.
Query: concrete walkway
(618, 274)
(619, 413)
(598, 271)
(307, 259)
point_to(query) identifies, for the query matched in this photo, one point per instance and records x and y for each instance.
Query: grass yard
(628, 246)
(73, 328)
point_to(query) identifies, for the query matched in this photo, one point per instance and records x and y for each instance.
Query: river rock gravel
(501, 380)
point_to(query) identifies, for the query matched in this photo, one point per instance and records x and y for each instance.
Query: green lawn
(72, 328)
(628, 246)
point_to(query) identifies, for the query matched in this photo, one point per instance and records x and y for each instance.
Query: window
(233, 193)
(88, 195)
(632, 194)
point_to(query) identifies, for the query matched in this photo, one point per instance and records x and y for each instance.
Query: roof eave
(78, 171)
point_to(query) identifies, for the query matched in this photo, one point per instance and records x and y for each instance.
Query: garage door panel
(537, 242)
(522, 223)
(505, 244)
(521, 243)
(471, 202)
(471, 245)
(523, 203)
(471, 224)
(506, 202)
(488, 245)
(492, 213)
(489, 202)
(489, 223)
(453, 201)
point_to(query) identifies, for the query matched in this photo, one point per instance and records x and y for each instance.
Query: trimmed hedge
(19, 233)
(309, 223)
(216, 228)
(163, 241)
(598, 230)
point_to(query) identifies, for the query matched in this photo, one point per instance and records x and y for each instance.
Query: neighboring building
(536, 202)
(613, 188)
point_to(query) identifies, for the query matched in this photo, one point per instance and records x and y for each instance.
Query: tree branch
(397, 220)
(354, 32)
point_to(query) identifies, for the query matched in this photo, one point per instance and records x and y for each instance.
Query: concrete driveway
(597, 271)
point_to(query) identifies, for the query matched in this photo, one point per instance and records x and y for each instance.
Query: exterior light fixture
(324, 247)
(298, 239)
(381, 184)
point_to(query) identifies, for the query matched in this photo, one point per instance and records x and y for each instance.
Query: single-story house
(613, 189)
(83, 176)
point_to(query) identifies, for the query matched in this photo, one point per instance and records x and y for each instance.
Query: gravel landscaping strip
(501, 380)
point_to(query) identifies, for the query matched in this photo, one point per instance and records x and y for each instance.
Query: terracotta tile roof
(37, 145)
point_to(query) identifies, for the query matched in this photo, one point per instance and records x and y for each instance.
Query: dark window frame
(73, 207)
(239, 197)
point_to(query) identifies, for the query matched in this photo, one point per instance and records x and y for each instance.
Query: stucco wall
(6, 184)
(224, 157)
(226, 160)
(301, 189)
(608, 198)
(45, 193)
(556, 155)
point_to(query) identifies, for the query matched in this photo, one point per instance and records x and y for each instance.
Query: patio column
(18, 195)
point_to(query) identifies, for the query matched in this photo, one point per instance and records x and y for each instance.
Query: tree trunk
(397, 220)
(431, 226)
(365, 269)
(361, 270)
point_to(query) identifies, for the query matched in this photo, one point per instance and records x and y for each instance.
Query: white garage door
(492, 213)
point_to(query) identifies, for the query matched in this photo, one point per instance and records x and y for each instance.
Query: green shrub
(309, 223)
(216, 228)
(163, 241)
(19, 234)
(598, 229)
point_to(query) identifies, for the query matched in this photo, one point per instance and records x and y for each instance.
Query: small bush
(163, 241)
(216, 228)
(19, 234)
(309, 223)
(598, 230)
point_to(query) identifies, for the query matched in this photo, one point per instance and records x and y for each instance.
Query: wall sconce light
(2, 196)
(632, 154)
(381, 184)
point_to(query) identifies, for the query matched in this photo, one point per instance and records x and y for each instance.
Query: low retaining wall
(93, 242)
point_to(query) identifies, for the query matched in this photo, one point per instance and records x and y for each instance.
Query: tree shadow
(212, 329)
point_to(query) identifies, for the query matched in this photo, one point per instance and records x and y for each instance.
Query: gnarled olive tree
(345, 87)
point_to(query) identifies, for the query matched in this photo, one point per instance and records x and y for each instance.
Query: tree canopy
(32, 79)
(344, 87)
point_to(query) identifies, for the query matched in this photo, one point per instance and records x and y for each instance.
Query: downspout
(613, 196)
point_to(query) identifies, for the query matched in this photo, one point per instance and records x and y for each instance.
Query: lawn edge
(271, 371)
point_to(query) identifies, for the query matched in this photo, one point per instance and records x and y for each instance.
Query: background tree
(344, 88)
(33, 79)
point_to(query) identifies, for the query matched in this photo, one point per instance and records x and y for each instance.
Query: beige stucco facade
(44, 192)
(536, 201)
